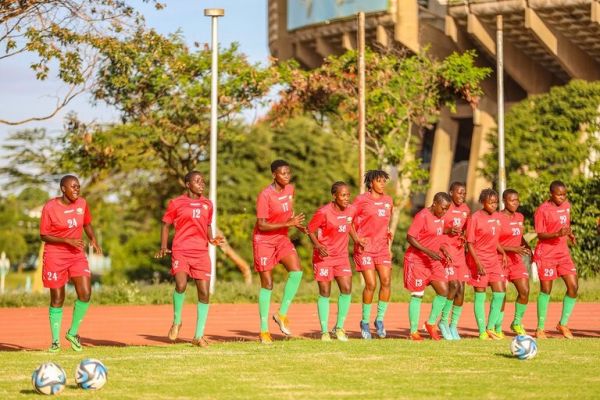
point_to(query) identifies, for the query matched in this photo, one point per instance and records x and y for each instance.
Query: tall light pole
(500, 84)
(361, 99)
(214, 14)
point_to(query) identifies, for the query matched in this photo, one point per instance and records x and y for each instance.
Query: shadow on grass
(13, 347)
(102, 342)
(504, 355)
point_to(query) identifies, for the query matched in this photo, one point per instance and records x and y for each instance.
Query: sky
(22, 96)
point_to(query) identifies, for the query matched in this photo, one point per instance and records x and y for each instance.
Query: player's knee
(417, 294)
(267, 284)
(203, 296)
(324, 292)
(85, 296)
(57, 303)
(180, 287)
(370, 286)
(346, 289)
(572, 290)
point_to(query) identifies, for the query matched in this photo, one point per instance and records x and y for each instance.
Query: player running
(553, 226)
(483, 231)
(63, 221)
(271, 245)
(423, 264)
(514, 245)
(191, 215)
(332, 224)
(457, 271)
(373, 257)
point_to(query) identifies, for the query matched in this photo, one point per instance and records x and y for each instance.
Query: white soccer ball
(524, 347)
(91, 374)
(49, 378)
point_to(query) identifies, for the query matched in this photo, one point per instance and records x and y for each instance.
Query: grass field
(310, 369)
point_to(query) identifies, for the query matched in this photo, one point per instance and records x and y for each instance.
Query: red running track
(28, 328)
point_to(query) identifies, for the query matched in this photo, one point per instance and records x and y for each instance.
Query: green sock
(479, 308)
(446, 310)
(542, 309)
(519, 312)
(291, 287)
(366, 313)
(414, 312)
(568, 305)
(499, 321)
(436, 308)
(323, 308)
(178, 299)
(264, 302)
(495, 309)
(202, 313)
(456, 311)
(381, 309)
(55, 322)
(79, 311)
(343, 308)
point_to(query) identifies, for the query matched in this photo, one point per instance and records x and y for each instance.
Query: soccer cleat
(445, 329)
(75, 341)
(415, 336)
(433, 331)
(540, 334)
(454, 333)
(174, 332)
(499, 333)
(199, 342)
(54, 347)
(340, 334)
(283, 322)
(565, 331)
(492, 334)
(380, 329)
(518, 329)
(265, 338)
(325, 337)
(365, 332)
(484, 336)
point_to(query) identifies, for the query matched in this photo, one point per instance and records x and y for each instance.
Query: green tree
(554, 136)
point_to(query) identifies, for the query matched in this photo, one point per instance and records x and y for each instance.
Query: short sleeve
(210, 213)
(45, 221)
(262, 206)
(316, 221)
(539, 220)
(471, 226)
(170, 214)
(417, 225)
(87, 216)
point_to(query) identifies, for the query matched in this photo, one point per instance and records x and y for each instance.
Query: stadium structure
(546, 43)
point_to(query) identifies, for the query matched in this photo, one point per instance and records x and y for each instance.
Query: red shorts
(197, 265)
(326, 271)
(458, 270)
(493, 273)
(418, 273)
(549, 270)
(58, 269)
(366, 261)
(515, 268)
(269, 250)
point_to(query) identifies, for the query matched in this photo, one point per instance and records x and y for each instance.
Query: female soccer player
(271, 245)
(423, 264)
(514, 245)
(332, 224)
(373, 258)
(191, 214)
(64, 219)
(483, 231)
(457, 271)
(553, 226)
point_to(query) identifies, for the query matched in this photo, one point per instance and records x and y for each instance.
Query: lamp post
(500, 84)
(214, 14)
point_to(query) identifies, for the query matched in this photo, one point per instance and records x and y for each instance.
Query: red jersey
(456, 217)
(511, 233)
(333, 229)
(428, 230)
(276, 207)
(550, 218)
(191, 218)
(64, 221)
(483, 231)
(372, 220)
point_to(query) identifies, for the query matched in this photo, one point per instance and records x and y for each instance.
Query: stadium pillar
(500, 83)
(361, 99)
(214, 14)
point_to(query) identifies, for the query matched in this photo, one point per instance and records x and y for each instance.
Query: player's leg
(385, 291)
(498, 295)
(264, 303)
(203, 289)
(542, 307)
(441, 290)
(457, 308)
(83, 288)
(57, 299)
(344, 300)
(479, 309)
(522, 286)
(291, 262)
(181, 278)
(370, 278)
(569, 300)
(323, 308)
(444, 324)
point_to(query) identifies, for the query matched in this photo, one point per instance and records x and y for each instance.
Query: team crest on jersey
(79, 210)
(464, 214)
(387, 205)
(349, 219)
(497, 222)
(205, 206)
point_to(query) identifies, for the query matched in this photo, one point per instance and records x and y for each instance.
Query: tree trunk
(237, 259)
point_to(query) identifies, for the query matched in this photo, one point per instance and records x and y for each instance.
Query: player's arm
(362, 242)
(89, 232)
(318, 245)
(417, 245)
(295, 221)
(164, 238)
(446, 253)
(500, 250)
(473, 253)
(77, 243)
(214, 240)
